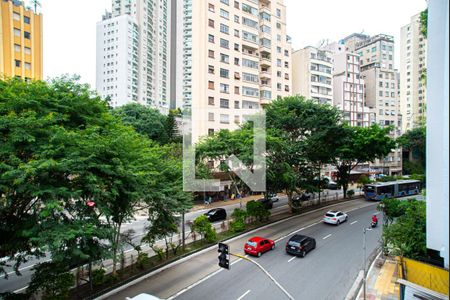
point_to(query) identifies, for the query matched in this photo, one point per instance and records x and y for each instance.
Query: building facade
(312, 74)
(236, 58)
(413, 66)
(20, 41)
(349, 87)
(437, 132)
(381, 81)
(143, 29)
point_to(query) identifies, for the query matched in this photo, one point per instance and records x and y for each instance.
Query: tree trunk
(116, 248)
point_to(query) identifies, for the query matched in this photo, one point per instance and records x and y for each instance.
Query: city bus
(393, 189)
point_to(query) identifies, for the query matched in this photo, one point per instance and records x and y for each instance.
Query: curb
(374, 259)
(199, 252)
(354, 290)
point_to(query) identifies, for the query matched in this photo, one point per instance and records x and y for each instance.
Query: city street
(19, 283)
(335, 263)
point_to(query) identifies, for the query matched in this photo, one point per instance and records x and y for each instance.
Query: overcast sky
(69, 27)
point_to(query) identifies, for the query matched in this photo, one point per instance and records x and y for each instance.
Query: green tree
(414, 142)
(305, 132)
(424, 23)
(53, 280)
(407, 235)
(358, 145)
(146, 121)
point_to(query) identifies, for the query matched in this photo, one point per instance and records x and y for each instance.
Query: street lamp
(364, 261)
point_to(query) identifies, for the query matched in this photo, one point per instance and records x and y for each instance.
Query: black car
(268, 203)
(332, 186)
(300, 245)
(302, 197)
(216, 214)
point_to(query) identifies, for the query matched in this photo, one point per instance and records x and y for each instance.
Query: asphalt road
(18, 283)
(326, 273)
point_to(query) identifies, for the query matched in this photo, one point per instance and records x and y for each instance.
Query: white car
(143, 297)
(335, 217)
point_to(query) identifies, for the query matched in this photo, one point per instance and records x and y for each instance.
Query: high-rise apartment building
(412, 70)
(133, 53)
(381, 81)
(312, 74)
(236, 57)
(349, 86)
(20, 41)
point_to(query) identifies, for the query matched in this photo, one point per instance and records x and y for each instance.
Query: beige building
(236, 58)
(312, 74)
(381, 81)
(349, 87)
(413, 47)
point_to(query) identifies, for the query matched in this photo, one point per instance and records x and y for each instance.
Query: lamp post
(364, 261)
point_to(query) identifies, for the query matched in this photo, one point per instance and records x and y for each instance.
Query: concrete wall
(437, 128)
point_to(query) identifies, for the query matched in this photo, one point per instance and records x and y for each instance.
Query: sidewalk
(381, 281)
(222, 203)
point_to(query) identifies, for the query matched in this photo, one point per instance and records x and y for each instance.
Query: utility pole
(183, 229)
(364, 262)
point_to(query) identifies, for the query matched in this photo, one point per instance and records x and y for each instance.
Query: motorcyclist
(375, 219)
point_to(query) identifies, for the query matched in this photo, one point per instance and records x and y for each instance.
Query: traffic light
(224, 257)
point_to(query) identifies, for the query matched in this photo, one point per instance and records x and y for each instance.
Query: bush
(143, 260)
(202, 226)
(237, 226)
(98, 276)
(350, 193)
(257, 210)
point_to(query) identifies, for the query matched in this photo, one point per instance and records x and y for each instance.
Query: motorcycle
(374, 224)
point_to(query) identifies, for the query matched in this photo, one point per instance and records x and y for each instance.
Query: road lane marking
(245, 294)
(21, 289)
(200, 281)
(354, 223)
(327, 236)
(291, 259)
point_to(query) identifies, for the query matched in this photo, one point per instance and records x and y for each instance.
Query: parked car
(216, 214)
(300, 245)
(268, 203)
(273, 196)
(302, 197)
(331, 185)
(335, 217)
(256, 246)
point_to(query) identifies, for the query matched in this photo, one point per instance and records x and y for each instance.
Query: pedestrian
(232, 196)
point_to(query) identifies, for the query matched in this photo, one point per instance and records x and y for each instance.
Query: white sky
(69, 27)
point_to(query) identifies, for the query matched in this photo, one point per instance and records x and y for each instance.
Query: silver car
(335, 217)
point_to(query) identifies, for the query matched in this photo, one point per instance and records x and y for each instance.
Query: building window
(224, 14)
(236, 104)
(224, 43)
(224, 29)
(211, 117)
(211, 23)
(211, 85)
(211, 101)
(26, 35)
(17, 48)
(224, 88)
(211, 69)
(26, 20)
(224, 58)
(211, 54)
(16, 32)
(17, 63)
(224, 103)
(224, 73)
(16, 16)
(224, 119)
(210, 38)
(211, 7)
(236, 5)
(236, 90)
(211, 132)
(27, 66)
(27, 50)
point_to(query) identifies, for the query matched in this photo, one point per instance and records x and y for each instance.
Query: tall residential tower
(413, 65)
(133, 53)
(236, 56)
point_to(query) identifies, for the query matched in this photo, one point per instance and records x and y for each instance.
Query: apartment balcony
(265, 75)
(265, 61)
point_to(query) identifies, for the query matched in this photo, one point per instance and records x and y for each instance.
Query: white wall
(437, 128)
